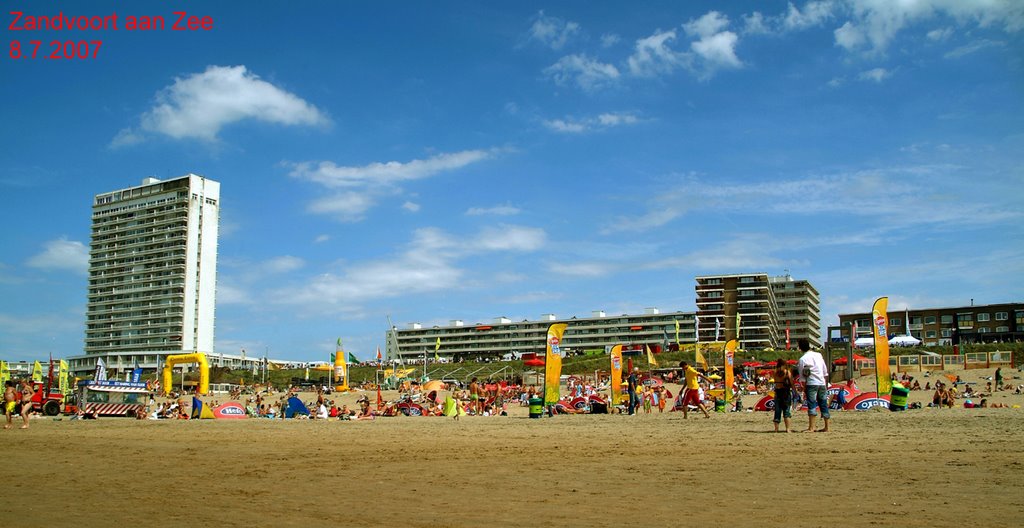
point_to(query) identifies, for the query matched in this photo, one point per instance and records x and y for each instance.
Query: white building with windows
(152, 273)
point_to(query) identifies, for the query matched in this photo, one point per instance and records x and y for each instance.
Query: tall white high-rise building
(152, 272)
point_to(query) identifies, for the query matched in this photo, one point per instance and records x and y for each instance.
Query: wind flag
(787, 334)
(340, 368)
(879, 319)
(137, 370)
(5, 372)
(730, 354)
(650, 357)
(853, 335)
(677, 333)
(379, 357)
(737, 326)
(101, 370)
(616, 356)
(718, 327)
(49, 375)
(352, 358)
(37, 372)
(696, 328)
(62, 377)
(553, 363)
(437, 346)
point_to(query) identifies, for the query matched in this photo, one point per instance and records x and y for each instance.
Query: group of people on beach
(14, 395)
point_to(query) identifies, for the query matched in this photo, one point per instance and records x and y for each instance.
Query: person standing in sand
(691, 392)
(27, 390)
(474, 397)
(814, 372)
(10, 401)
(783, 394)
(999, 379)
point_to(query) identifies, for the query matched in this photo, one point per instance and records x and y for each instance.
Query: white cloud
(411, 207)
(643, 222)
(905, 204)
(199, 105)
(229, 294)
(836, 82)
(940, 34)
(346, 206)
(875, 74)
(283, 264)
(321, 239)
(756, 24)
(510, 238)
(586, 73)
(498, 210)
(552, 31)
(126, 137)
(653, 56)
(428, 264)
(715, 46)
(875, 23)
(600, 122)
(719, 50)
(813, 14)
(609, 39)
(331, 175)
(364, 185)
(973, 47)
(62, 255)
(582, 269)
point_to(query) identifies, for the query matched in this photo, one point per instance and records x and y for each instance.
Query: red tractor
(46, 401)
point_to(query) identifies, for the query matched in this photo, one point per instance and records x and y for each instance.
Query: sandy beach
(927, 467)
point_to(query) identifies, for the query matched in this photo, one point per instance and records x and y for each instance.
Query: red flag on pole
(787, 335)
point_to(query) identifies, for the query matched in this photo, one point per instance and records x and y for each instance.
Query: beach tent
(450, 409)
(295, 406)
(865, 342)
(904, 340)
(200, 410)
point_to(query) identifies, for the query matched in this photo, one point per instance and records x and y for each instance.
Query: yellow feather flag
(616, 357)
(730, 354)
(650, 356)
(553, 363)
(699, 358)
(879, 325)
(437, 346)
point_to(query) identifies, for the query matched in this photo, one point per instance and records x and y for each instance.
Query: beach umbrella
(433, 385)
(843, 360)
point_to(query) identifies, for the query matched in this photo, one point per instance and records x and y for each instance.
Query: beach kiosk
(113, 398)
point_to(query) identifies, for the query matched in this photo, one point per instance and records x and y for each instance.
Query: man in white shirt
(814, 374)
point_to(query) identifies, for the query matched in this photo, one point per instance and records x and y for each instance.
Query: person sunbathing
(364, 412)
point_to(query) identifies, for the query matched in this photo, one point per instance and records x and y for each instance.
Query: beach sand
(927, 468)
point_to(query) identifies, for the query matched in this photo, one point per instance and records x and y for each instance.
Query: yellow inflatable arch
(204, 370)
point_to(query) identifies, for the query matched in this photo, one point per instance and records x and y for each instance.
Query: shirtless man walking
(10, 400)
(474, 397)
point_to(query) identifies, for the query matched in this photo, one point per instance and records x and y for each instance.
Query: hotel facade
(935, 326)
(152, 273)
(767, 306)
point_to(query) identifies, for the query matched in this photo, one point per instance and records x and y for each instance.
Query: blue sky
(469, 160)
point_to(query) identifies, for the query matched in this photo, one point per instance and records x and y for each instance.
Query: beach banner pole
(616, 357)
(553, 363)
(879, 323)
(730, 352)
